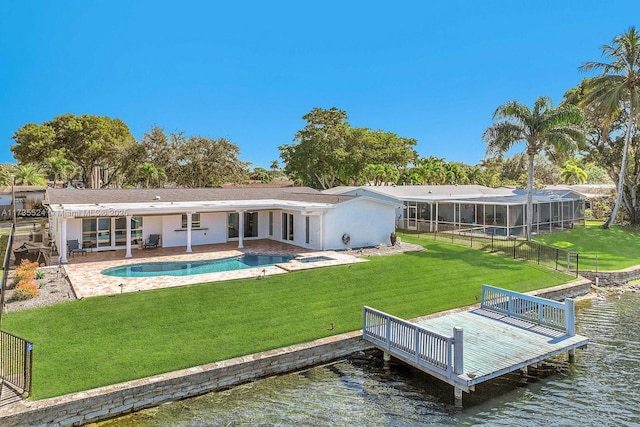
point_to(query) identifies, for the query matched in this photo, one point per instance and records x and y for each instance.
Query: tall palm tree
(555, 131)
(618, 87)
(28, 174)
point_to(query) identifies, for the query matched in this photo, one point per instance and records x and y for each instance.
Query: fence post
(388, 332)
(417, 341)
(514, 249)
(577, 264)
(539, 249)
(557, 250)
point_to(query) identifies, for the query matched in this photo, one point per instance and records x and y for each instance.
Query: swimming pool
(188, 268)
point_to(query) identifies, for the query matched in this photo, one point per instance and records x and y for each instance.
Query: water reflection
(601, 388)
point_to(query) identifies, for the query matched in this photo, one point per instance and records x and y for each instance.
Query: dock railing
(542, 311)
(415, 343)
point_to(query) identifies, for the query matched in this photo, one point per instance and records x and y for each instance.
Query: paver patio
(84, 271)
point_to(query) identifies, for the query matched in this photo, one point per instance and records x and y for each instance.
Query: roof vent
(156, 198)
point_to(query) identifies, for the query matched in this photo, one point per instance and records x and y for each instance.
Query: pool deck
(84, 271)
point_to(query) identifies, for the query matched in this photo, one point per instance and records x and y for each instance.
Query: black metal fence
(16, 359)
(548, 256)
(15, 352)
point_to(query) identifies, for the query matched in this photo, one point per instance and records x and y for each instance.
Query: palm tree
(573, 174)
(555, 131)
(28, 174)
(61, 167)
(148, 172)
(617, 88)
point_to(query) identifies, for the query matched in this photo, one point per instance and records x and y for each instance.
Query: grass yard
(104, 340)
(616, 248)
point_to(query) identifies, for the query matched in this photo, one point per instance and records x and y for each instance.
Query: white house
(119, 219)
(498, 211)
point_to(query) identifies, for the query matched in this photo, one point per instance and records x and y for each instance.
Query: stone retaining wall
(118, 399)
(613, 278)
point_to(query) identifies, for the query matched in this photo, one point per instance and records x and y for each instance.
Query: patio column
(127, 253)
(437, 218)
(189, 220)
(240, 229)
(322, 231)
(62, 246)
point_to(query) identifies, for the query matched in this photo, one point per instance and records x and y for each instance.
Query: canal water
(601, 389)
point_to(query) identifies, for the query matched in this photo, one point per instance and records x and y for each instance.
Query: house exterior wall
(350, 218)
(152, 225)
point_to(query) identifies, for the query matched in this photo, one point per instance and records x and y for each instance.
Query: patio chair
(74, 248)
(152, 242)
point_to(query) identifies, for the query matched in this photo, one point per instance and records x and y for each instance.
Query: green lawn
(616, 248)
(98, 341)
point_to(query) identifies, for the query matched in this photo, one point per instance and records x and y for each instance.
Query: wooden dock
(510, 331)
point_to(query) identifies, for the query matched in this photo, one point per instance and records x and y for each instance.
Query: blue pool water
(316, 259)
(188, 268)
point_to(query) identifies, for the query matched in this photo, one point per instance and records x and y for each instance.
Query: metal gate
(15, 364)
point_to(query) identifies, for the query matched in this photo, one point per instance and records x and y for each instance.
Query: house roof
(460, 193)
(166, 200)
(428, 192)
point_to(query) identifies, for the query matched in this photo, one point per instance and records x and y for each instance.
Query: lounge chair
(74, 248)
(152, 242)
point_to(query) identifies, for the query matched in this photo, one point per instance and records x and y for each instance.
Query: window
(96, 232)
(306, 229)
(287, 226)
(195, 220)
(121, 229)
(250, 225)
(270, 223)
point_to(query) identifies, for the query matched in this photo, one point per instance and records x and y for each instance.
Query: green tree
(573, 173)
(95, 143)
(60, 167)
(5, 174)
(206, 162)
(329, 152)
(617, 88)
(556, 131)
(318, 153)
(28, 174)
(260, 174)
(158, 149)
(149, 174)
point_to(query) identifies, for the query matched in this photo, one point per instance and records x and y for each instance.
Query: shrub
(26, 289)
(27, 266)
(40, 274)
(21, 294)
(21, 275)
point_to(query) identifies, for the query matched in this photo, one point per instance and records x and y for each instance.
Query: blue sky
(248, 71)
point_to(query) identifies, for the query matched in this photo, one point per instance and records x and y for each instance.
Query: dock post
(457, 395)
(386, 357)
(569, 317)
(458, 365)
(571, 356)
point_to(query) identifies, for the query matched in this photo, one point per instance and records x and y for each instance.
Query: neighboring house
(111, 219)
(498, 211)
(29, 200)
